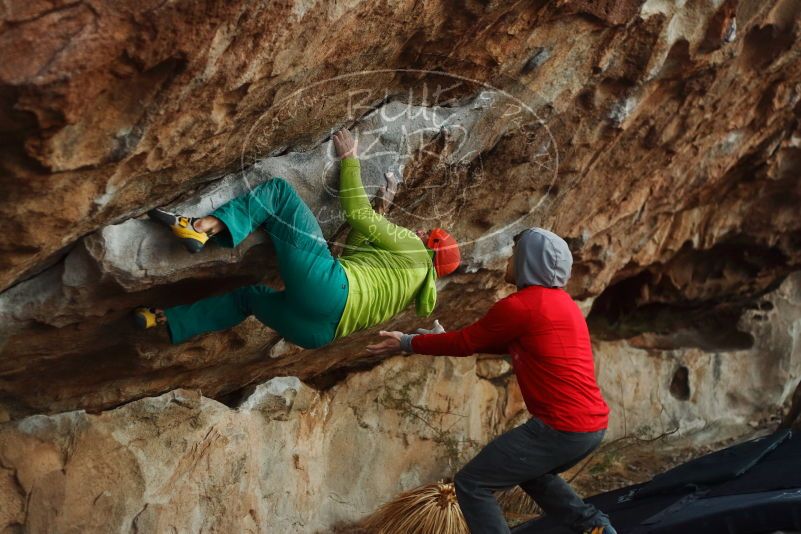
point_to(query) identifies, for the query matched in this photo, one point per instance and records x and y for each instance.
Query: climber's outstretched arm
(356, 240)
(364, 219)
(491, 334)
(361, 216)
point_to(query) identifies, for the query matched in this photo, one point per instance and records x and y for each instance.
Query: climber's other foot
(182, 227)
(145, 318)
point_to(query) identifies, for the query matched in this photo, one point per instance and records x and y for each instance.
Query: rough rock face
(662, 142)
(661, 139)
(114, 109)
(706, 393)
(288, 459)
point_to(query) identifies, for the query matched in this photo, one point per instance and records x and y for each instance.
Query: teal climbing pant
(308, 310)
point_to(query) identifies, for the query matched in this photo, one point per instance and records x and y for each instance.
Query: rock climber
(383, 267)
(544, 331)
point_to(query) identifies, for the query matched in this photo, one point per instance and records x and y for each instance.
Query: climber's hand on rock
(345, 144)
(437, 329)
(390, 345)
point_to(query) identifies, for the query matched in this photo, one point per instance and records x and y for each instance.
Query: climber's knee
(278, 185)
(275, 190)
(244, 299)
(259, 300)
(285, 189)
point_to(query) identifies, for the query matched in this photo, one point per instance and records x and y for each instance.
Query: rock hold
(278, 397)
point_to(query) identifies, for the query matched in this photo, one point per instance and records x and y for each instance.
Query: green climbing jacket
(387, 265)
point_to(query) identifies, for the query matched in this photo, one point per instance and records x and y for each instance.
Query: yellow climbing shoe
(145, 318)
(182, 227)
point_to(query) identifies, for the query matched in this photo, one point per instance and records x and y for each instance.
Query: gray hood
(542, 258)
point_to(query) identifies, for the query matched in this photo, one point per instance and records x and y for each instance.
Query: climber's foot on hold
(182, 227)
(149, 317)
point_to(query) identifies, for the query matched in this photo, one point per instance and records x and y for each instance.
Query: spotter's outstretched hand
(388, 347)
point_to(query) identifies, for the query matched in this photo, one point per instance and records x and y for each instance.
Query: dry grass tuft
(429, 509)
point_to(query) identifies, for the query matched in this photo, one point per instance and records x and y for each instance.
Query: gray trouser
(530, 455)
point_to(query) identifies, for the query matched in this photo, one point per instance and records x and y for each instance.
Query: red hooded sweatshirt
(546, 334)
